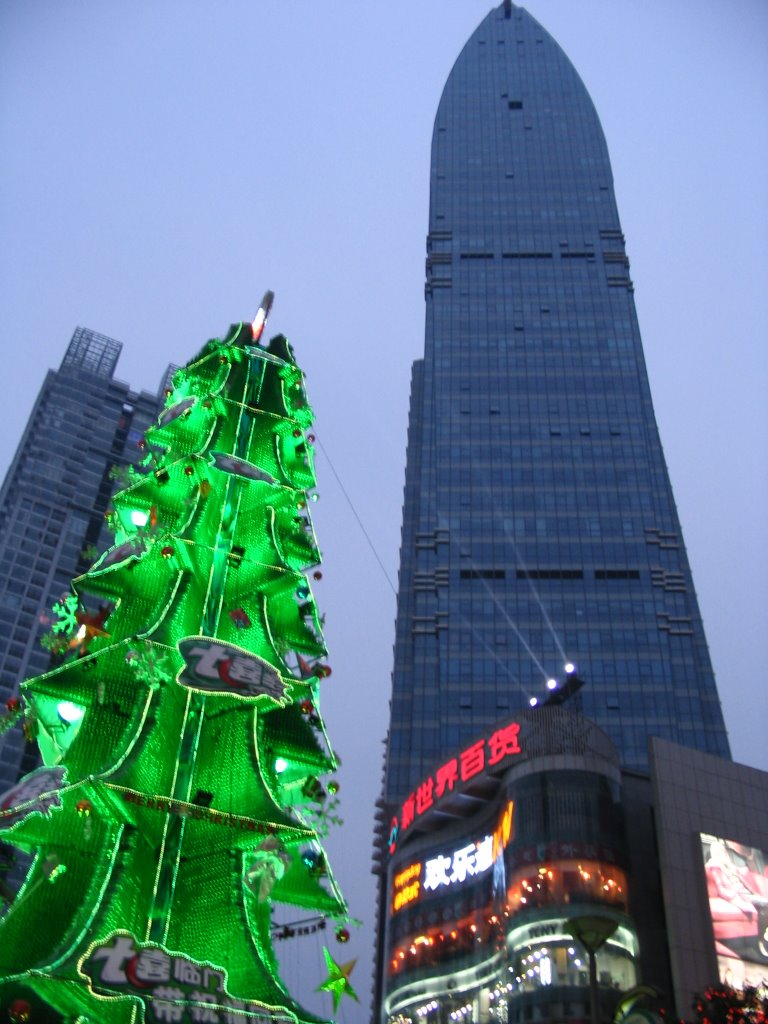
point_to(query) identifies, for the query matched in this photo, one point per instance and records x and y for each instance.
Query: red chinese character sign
(181, 798)
(489, 753)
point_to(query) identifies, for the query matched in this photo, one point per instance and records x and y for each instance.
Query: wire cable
(357, 517)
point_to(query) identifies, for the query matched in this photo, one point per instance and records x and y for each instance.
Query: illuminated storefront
(482, 889)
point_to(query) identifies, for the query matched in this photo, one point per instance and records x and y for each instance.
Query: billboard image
(737, 887)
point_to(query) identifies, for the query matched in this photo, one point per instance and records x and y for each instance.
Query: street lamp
(592, 932)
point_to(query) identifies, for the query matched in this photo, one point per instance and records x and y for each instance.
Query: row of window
(549, 574)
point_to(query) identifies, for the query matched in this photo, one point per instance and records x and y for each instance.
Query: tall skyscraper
(539, 524)
(52, 505)
(539, 530)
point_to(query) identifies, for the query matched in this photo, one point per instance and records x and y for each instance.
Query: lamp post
(592, 932)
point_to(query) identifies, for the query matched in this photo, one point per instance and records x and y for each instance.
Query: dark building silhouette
(52, 504)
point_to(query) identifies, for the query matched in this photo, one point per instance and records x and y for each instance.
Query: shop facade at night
(489, 876)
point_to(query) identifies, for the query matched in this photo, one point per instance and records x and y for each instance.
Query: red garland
(199, 813)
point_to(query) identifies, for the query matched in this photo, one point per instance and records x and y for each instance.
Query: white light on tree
(69, 712)
(139, 517)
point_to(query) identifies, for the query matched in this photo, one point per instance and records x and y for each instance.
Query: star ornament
(337, 981)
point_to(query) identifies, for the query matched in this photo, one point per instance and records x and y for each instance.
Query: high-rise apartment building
(539, 524)
(52, 505)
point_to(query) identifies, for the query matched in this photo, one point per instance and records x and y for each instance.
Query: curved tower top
(516, 133)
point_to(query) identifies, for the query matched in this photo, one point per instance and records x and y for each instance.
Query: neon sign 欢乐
(466, 862)
(444, 870)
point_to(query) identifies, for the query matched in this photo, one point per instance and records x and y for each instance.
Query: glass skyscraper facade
(539, 523)
(52, 505)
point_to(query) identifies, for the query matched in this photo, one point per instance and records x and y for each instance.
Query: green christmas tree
(182, 740)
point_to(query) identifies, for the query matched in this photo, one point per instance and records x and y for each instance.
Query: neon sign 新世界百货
(474, 759)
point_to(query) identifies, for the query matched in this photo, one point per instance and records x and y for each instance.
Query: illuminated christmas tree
(181, 735)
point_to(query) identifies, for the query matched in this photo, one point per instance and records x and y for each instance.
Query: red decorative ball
(13, 703)
(19, 1012)
(141, 445)
(83, 808)
(297, 433)
(189, 470)
(306, 707)
(317, 575)
(342, 935)
(311, 438)
(167, 551)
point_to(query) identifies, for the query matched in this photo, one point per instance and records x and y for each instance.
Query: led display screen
(737, 888)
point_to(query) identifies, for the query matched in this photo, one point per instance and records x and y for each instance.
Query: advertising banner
(737, 887)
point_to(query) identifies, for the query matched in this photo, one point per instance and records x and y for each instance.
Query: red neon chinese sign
(473, 760)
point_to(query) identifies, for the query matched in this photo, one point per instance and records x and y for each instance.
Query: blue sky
(165, 161)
